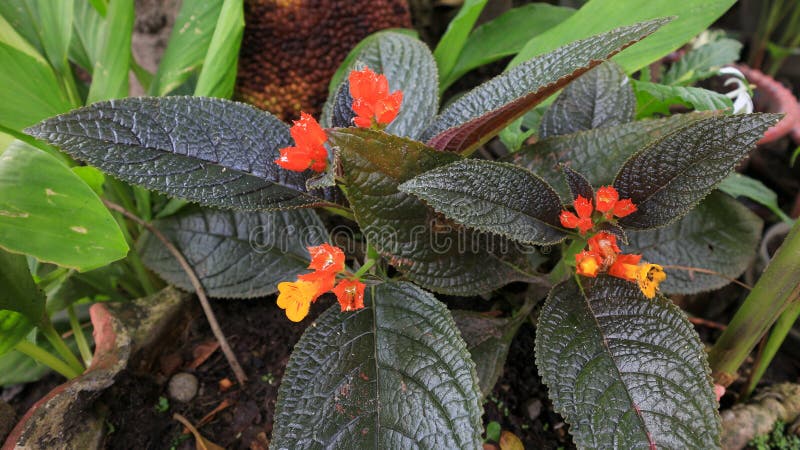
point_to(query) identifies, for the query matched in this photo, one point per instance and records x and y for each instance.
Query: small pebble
(533, 408)
(183, 387)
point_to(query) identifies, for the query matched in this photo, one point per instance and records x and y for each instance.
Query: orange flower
(625, 267)
(605, 245)
(350, 294)
(296, 297)
(327, 258)
(583, 221)
(587, 263)
(649, 276)
(372, 102)
(324, 280)
(624, 207)
(309, 151)
(606, 197)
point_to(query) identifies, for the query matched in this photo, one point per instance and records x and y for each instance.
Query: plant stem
(776, 338)
(363, 269)
(80, 338)
(48, 359)
(561, 270)
(46, 327)
(340, 211)
(198, 287)
(776, 290)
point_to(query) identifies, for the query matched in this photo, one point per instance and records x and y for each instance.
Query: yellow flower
(649, 276)
(295, 297)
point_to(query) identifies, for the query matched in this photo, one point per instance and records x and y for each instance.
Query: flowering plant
(389, 367)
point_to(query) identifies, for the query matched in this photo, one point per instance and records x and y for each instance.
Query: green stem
(46, 327)
(561, 270)
(774, 342)
(340, 211)
(80, 338)
(776, 290)
(367, 265)
(48, 359)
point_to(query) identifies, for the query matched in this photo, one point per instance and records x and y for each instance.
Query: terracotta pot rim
(786, 101)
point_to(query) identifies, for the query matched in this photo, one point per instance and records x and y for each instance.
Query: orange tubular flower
(324, 280)
(587, 263)
(350, 294)
(624, 207)
(625, 267)
(583, 221)
(309, 151)
(327, 258)
(372, 102)
(296, 297)
(649, 277)
(606, 197)
(605, 245)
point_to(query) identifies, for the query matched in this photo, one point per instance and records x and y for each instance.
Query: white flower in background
(742, 101)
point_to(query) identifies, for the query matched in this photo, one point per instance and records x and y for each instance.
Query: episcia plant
(391, 366)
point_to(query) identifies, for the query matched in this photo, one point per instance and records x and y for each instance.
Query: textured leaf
(494, 197)
(596, 154)
(18, 292)
(483, 112)
(504, 36)
(600, 98)
(578, 184)
(394, 375)
(434, 253)
(409, 66)
(235, 254)
(210, 151)
(668, 177)
(652, 98)
(624, 371)
(597, 16)
(13, 328)
(48, 212)
(703, 62)
(720, 235)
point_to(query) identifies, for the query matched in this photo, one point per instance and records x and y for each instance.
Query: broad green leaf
(19, 20)
(668, 177)
(409, 67)
(703, 62)
(481, 113)
(55, 27)
(600, 98)
(596, 154)
(738, 185)
(504, 36)
(235, 254)
(88, 36)
(394, 375)
(13, 328)
(48, 212)
(455, 37)
(91, 176)
(211, 151)
(432, 252)
(187, 46)
(625, 371)
(719, 235)
(113, 58)
(218, 75)
(652, 98)
(18, 292)
(597, 16)
(493, 197)
(30, 91)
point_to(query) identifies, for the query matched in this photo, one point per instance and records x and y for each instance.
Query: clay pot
(772, 96)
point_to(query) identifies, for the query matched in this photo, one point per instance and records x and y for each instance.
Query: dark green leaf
(409, 67)
(597, 16)
(494, 197)
(625, 371)
(211, 151)
(13, 328)
(18, 292)
(480, 114)
(598, 99)
(578, 184)
(504, 36)
(668, 177)
(652, 98)
(235, 254)
(394, 375)
(738, 185)
(703, 62)
(596, 154)
(48, 212)
(218, 75)
(719, 235)
(455, 37)
(113, 58)
(429, 250)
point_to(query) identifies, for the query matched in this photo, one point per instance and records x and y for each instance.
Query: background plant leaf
(48, 212)
(720, 234)
(409, 66)
(432, 252)
(218, 74)
(18, 292)
(235, 254)
(483, 112)
(211, 151)
(113, 57)
(702, 62)
(597, 16)
(738, 185)
(600, 98)
(494, 197)
(625, 371)
(455, 36)
(653, 98)
(668, 177)
(13, 328)
(395, 374)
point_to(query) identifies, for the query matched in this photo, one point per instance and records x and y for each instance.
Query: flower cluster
(603, 253)
(373, 105)
(327, 262)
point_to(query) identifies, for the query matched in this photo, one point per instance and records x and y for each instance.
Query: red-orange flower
(309, 150)
(372, 102)
(350, 294)
(625, 267)
(624, 207)
(583, 221)
(324, 281)
(605, 198)
(587, 263)
(326, 257)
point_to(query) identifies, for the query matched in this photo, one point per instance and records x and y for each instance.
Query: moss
(777, 439)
